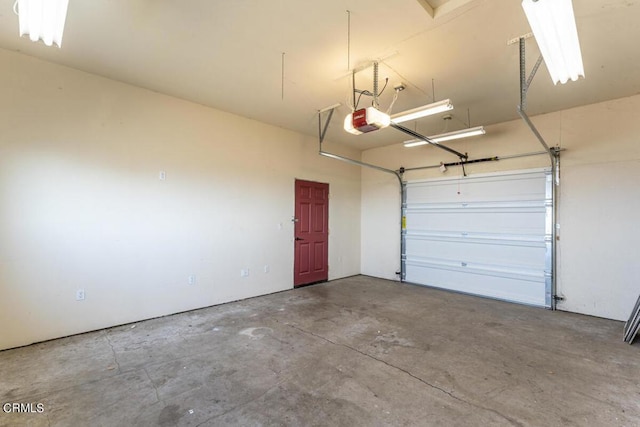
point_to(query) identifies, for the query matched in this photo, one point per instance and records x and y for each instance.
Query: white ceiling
(229, 55)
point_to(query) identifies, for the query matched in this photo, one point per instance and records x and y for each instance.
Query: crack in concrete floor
(433, 386)
(115, 356)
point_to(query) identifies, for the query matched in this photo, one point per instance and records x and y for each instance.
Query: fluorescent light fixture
(366, 120)
(464, 133)
(415, 143)
(425, 110)
(42, 19)
(554, 27)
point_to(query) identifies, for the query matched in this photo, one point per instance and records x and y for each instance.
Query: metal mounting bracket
(524, 88)
(322, 129)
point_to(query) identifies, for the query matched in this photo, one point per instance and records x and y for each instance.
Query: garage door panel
(529, 256)
(525, 223)
(486, 235)
(523, 288)
(504, 188)
(512, 205)
(528, 239)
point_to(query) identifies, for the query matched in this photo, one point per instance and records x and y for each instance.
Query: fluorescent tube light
(415, 143)
(464, 133)
(42, 19)
(554, 27)
(425, 110)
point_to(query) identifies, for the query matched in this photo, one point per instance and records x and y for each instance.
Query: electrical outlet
(244, 272)
(266, 268)
(80, 295)
(192, 279)
(162, 175)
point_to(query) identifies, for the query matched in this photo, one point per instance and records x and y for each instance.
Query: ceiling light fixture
(464, 133)
(415, 143)
(42, 19)
(425, 110)
(554, 26)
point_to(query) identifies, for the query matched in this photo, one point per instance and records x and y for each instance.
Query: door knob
(299, 238)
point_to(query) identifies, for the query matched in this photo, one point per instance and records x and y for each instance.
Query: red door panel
(305, 253)
(311, 252)
(318, 252)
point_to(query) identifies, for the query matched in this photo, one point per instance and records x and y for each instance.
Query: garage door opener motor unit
(366, 120)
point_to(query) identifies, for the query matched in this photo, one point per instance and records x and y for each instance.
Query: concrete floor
(355, 352)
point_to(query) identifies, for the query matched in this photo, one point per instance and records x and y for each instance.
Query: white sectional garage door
(487, 235)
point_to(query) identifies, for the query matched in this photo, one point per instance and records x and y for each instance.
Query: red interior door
(311, 253)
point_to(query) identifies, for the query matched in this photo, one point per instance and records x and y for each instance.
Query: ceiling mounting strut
(524, 88)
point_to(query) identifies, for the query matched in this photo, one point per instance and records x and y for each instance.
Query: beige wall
(82, 205)
(599, 198)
